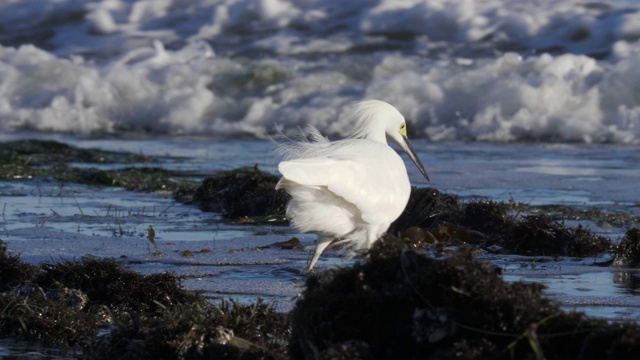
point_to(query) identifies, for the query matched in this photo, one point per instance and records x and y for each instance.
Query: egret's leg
(374, 233)
(322, 244)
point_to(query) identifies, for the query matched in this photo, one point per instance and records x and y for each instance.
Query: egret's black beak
(414, 158)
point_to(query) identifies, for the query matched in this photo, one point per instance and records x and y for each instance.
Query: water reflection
(628, 281)
(17, 350)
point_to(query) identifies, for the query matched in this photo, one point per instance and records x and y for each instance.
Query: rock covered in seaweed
(401, 304)
(198, 331)
(489, 224)
(151, 316)
(246, 192)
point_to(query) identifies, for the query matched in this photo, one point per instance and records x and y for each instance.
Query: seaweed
(107, 283)
(245, 192)
(26, 159)
(201, 331)
(490, 225)
(627, 254)
(402, 304)
(425, 207)
(151, 316)
(138, 179)
(66, 302)
(13, 271)
(53, 317)
(47, 152)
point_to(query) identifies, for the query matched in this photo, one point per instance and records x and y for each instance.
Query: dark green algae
(396, 302)
(27, 159)
(43, 152)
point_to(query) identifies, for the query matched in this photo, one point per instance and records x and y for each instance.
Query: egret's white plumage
(349, 190)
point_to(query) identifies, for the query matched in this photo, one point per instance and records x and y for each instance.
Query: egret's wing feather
(343, 177)
(318, 171)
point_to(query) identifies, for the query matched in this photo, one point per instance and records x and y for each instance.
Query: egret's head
(399, 135)
(375, 119)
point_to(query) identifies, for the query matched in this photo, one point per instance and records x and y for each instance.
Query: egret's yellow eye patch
(403, 129)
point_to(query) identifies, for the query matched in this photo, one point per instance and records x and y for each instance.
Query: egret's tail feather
(307, 143)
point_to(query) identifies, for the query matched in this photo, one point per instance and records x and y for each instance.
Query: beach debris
(291, 244)
(151, 236)
(416, 237)
(191, 253)
(187, 253)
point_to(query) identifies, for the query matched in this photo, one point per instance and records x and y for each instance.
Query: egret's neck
(373, 130)
(378, 136)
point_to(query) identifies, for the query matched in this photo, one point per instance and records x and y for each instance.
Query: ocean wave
(459, 70)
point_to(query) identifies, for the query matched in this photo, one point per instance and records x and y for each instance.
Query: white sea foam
(493, 70)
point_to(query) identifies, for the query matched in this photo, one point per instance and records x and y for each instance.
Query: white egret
(349, 190)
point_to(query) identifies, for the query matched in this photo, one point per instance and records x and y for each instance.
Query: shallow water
(19, 350)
